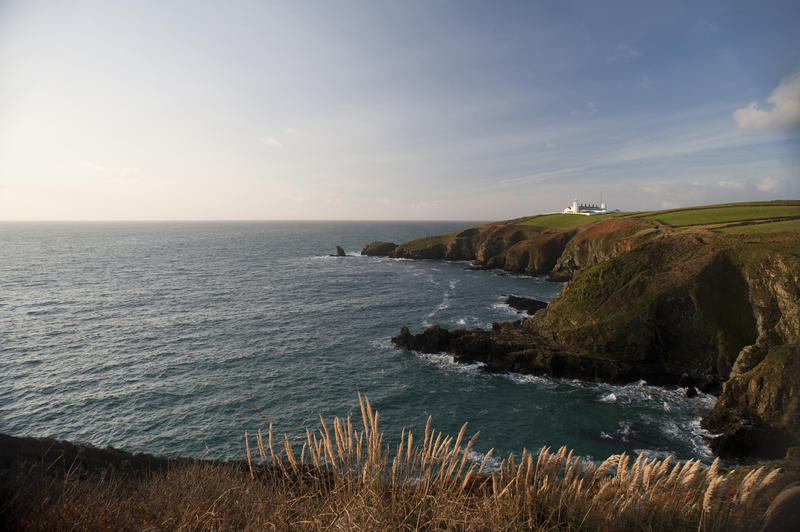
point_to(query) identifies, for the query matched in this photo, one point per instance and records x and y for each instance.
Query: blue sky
(392, 110)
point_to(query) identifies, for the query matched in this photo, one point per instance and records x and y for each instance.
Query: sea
(176, 338)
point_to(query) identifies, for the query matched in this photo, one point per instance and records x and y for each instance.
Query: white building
(587, 209)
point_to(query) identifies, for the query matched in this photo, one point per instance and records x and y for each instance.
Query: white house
(587, 209)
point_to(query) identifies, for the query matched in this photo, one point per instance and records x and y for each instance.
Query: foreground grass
(345, 478)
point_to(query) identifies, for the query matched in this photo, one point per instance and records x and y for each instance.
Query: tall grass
(344, 476)
(431, 482)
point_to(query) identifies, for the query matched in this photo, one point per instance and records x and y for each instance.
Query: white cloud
(290, 131)
(735, 185)
(425, 205)
(768, 184)
(271, 142)
(622, 52)
(785, 111)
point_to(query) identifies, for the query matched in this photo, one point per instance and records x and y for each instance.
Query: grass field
(718, 214)
(771, 227)
(693, 216)
(563, 221)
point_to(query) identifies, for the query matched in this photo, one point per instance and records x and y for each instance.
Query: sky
(392, 110)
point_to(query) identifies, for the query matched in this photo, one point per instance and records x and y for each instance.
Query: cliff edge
(705, 297)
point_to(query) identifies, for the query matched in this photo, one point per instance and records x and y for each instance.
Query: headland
(705, 297)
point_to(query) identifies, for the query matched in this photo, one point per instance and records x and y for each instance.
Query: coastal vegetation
(704, 297)
(562, 221)
(345, 476)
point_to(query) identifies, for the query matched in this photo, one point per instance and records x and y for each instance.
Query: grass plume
(344, 478)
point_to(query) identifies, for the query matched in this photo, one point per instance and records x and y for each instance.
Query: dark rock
(525, 304)
(782, 514)
(511, 347)
(379, 249)
(434, 340)
(758, 412)
(340, 252)
(750, 438)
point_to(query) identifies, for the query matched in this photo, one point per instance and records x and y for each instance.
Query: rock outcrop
(758, 412)
(379, 249)
(511, 347)
(525, 304)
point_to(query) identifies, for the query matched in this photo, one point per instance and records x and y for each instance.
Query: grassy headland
(698, 296)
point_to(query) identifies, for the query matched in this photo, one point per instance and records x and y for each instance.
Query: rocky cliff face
(721, 312)
(758, 412)
(503, 245)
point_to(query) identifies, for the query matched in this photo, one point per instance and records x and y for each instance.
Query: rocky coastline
(674, 306)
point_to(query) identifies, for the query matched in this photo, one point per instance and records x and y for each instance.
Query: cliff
(706, 297)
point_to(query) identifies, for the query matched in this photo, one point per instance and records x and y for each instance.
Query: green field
(723, 214)
(771, 227)
(562, 221)
(704, 215)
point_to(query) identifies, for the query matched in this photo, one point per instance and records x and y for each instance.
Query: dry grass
(345, 477)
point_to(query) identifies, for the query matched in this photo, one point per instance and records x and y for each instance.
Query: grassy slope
(349, 479)
(563, 221)
(718, 215)
(427, 242)
(768, 227)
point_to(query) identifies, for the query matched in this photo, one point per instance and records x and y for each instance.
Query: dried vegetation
(346, 477)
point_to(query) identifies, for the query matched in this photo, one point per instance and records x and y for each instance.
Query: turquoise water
(175, 338)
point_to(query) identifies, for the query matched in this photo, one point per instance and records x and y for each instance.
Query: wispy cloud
(726, 183)
(768, 184)
(623, 52)
(271, 142)
(645, 82)
(707, 25)
(290, 131)
(785, 111)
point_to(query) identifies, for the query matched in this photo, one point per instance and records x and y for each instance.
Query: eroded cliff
(688, 305)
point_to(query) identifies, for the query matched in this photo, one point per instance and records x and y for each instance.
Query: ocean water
(175, 338)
